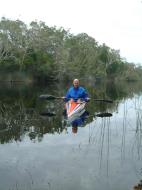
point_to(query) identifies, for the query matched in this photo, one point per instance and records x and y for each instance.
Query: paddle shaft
(51, 97)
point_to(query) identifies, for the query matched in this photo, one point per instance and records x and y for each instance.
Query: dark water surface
(41, 152)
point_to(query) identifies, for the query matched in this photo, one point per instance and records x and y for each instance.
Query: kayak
(74, 109)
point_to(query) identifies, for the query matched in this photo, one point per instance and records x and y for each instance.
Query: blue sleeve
(67, 96)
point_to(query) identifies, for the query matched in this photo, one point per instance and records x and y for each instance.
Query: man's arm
(67, 96)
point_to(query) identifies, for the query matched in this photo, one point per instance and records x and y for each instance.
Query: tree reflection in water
(16, 122)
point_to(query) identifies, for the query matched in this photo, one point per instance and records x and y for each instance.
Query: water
(40, 153)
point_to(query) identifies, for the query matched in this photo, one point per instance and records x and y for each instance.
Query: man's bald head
(75, 83)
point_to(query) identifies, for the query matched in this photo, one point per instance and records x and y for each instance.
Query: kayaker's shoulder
(82, 88)
(71, 88)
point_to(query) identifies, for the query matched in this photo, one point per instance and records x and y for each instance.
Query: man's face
(75, 83)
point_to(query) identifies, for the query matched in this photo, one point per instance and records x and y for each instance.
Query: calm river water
(44, 153)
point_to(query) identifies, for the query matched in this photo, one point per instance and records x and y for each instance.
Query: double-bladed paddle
(51, 97)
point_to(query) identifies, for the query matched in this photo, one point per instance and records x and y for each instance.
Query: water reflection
(16, 121)
(137, 142)
(101, 154)
(78, 122)
(20, 110)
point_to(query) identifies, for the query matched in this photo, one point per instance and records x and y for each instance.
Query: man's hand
(79, 101)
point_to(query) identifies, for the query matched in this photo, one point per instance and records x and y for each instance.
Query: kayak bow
(74, 109)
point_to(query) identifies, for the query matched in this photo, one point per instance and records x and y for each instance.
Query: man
(77, 93)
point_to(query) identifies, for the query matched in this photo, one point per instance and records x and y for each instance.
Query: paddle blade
(48, 114)
(47, 97)
(104, 115)
(103, 100)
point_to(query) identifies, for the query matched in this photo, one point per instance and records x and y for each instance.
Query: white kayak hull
(74, 110)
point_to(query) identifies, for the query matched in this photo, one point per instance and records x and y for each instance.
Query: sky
(117, 23)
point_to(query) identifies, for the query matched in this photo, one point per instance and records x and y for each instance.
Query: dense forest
(45, 53)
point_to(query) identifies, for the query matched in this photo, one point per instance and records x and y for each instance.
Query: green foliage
(53, 53)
